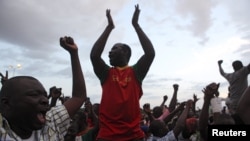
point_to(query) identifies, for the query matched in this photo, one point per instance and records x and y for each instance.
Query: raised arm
(181, 121)
(95, 55)
(78, 89)
(146, 60)
(174, 112)
(209, 92)
(220, 67)
(4, 78)
(54, 94)
(165, 98)
(173, 101)
(195, 99)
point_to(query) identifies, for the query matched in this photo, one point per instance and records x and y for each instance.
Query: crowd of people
(29, 113)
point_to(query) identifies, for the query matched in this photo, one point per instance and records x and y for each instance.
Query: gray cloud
(33, 28)
(200, 14)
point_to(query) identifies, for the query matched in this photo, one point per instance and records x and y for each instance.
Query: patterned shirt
(57, 123)
(168, 137)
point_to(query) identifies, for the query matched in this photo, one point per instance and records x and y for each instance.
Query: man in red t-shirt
(119, 112)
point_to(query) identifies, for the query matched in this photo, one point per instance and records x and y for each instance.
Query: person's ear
(4, 100)
(5, 103)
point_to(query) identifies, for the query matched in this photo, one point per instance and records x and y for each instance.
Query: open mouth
(41, 117)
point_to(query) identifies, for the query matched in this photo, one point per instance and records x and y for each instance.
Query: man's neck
(121, 68)
(24, 134)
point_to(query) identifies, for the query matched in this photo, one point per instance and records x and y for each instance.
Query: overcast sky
(189, 37)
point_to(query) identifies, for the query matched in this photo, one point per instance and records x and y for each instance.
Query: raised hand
(4, 78)
(55, 92)
(68, 43)
(136, 16)
(165, 97)
(110, 20)
(195, 98)
(176, 87)
(220, 62)
(210, 90)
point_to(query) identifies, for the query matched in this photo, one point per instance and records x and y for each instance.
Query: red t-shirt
(120, 108)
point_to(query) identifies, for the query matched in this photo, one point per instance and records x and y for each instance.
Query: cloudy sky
(189, 37)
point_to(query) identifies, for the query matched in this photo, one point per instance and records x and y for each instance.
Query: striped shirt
(57, 123)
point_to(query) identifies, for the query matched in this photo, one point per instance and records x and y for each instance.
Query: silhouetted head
(237, 65)
(119, 55)
(157, 111)
(158, 128)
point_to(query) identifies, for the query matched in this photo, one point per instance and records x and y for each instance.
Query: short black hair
(127, 49)
(156, 127)
(237, 65)
(8, 88)
(157, 111)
